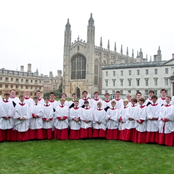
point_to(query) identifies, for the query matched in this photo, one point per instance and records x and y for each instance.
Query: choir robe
(166, 129)
(71, 102)
(47, 125)
(41, 101)
(86, 128)
(122, 117)
(141, 116)
(112, 121)
(36, 124)
(149, 100)
(172, 101)
(14, 100)
(61, 126)
(99, 130)
(130, 124)
(81, 102)
(94, 103)
(53, 103)
(75, 126)
(6, 125)
(21, 126)
(153, 110)
(161, 101)
(106, 104)
(28, 101)
(119, 103)
(0, 99)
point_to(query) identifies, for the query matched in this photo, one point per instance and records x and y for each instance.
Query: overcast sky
(33, 31)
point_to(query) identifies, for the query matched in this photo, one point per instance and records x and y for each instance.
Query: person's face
(163, 93)
(117, 95)
(27, 93)
(85, 95)
(6, 97)
(128, 97)
(133, 102)
(62, 102)
(125, 103)
(38, 94)
(86, 105)
(74, 97)
(138, 96)
(52, 96)
(21, 99)
(63, 96)
(76, 103)
(36, 100)
(141, 102)
(107, 96)
(168, 100)
(151, 94)
(46, 101)
(154, 100)
(99, 105)
(113, 104)
(96, 95)
(12, 93)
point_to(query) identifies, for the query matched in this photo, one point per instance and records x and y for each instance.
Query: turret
(91, 31)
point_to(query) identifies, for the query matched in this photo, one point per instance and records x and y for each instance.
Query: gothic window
(78, 67)
(96, 69)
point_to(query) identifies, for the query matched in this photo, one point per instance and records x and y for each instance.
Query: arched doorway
(78, 92)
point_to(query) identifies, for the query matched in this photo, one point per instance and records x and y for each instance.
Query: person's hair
(86, 102)
(6, 93)
(142, 99)
(21, 95)
(27, 90)
(107, 93)
(96, 92)
(163, 90)
(84, 92)
(37, 92)
(113, 102)
(99, 103)
(168, 97)
(117, 92)
(12, 90)
(52, 93)
(154, 96)
(76, 101)
(138, 93)
(129, 95)
(151, 91)
(125, 100)
(46, 98)
(134, 100)
(74, 94)
(35, 98)
(64, 94)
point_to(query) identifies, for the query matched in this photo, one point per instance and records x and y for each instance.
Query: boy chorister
(153, 112)
(74, 98)
(61, 121)
(6, 119)
(140, 123)
(84, 98)
(27, 99)
(47, 119)
(22, 119)
(130, 122)
(52, 100)
(128, 97)
(86, 121)
(99, 122)
(112, 118)
(40, 99)
(36, 122)
(95, 100)
(122, 118)
(149, 100)
(75, 121)
(162, 99)
(64, 96)
(166, 123)
(118, 100)
(106, 102)
(13, 97)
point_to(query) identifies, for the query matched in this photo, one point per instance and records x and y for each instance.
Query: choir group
(132, 119)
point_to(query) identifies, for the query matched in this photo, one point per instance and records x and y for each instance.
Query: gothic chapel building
(83, 61)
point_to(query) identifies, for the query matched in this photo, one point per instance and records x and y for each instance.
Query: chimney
(29, 67)
(22, 68)
(173, 56)
(51, 74)
(59, 72)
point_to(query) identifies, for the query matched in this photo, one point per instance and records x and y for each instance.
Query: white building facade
(139, 76)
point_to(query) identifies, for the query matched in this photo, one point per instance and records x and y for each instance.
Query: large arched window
(78, 67)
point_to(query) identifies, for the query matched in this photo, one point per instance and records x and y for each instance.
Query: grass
(85, 157)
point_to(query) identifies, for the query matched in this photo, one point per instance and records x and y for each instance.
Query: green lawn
(85, 157)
